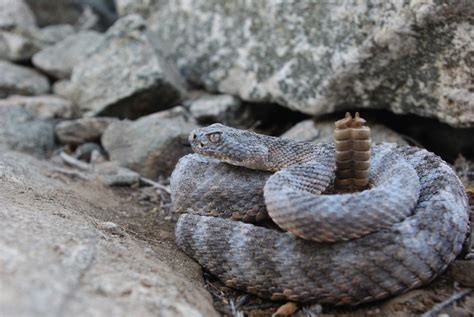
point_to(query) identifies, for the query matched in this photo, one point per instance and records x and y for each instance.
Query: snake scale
(328, 248)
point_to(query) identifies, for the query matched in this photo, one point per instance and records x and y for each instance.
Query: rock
(322, 132)
(152, 144)
(62, 88)
(20, 44)
(82, 130)
(112, 174)
(49, 12)
(20, 130)
(86, 151)
(43, 107)
(126, 76)
(52, 34)
(59, 59)
(20, 80)
(461, 271)
(15, 12)
(60, 256)
(315, 57)
(141, 7)
(225, 109)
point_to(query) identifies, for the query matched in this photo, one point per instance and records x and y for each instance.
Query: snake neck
(284, 153)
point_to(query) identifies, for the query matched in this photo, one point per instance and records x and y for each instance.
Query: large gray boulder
(318, 56)
(64, 251)
(21, 80)
(152, 144)
(126, 76)
(58, 60)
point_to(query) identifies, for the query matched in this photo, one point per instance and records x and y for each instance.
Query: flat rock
(82, 130)
(15, 12)
(152, 144)
(20, 80)
(21, 130)
(126, 76)
(322, 132)
(64, 252)
(43, 107)
(58, 60)
(316, 57)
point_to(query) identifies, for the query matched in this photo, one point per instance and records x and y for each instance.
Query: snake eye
(214, 137)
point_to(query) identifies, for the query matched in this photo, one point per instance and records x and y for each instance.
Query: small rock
(209, 109)
(21, 130)
(84, 152)
(49, 12)
(52, 34)
(322, 132)
(18, 44)
(462, 272)
(59, 59)
(152, 144)
(62, 88)
(20, 80)
(126, 7)
(98, 156)
(111, 227)
(112, 174)
(44, 107)
(15, 12)
(82, 130)
(126, 76)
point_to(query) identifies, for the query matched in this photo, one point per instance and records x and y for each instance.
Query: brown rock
(82, 130)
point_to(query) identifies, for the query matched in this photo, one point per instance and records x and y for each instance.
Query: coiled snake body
(340, 248)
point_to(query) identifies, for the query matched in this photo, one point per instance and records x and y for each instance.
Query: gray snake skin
(329, 248)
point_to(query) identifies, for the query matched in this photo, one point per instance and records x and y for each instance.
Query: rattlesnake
(397, 235)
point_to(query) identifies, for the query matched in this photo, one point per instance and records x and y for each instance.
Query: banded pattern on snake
(341, 248)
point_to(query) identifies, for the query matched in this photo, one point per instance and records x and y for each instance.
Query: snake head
(230, 145)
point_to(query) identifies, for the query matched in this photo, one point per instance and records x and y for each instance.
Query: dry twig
(453, 299)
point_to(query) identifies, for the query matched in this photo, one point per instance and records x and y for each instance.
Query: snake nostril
(200, 145)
